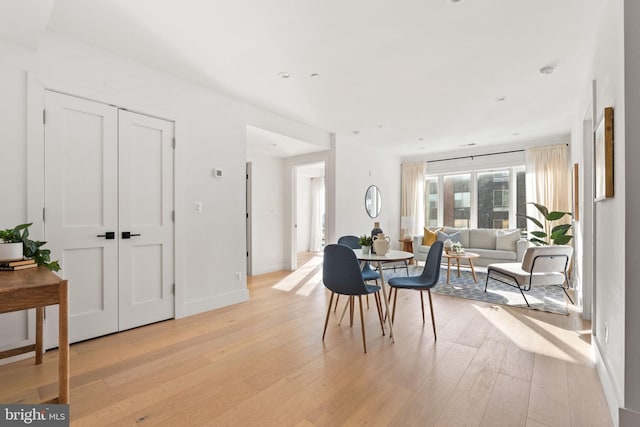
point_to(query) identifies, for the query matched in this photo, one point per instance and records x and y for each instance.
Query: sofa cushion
(495, 255)
(483, 238)
(430, 237)
(506, 240)
(454, 237)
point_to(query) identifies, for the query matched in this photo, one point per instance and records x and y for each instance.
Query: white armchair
(541, 265)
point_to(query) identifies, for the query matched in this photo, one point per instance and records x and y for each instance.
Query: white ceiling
(418, 75)
(264, 143)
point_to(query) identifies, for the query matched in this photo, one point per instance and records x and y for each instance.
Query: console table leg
(63, 340)
(39, 334)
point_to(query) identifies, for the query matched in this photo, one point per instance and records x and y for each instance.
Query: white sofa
(493, 245)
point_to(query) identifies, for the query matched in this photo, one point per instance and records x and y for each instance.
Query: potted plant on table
(19, 237)
(366, 242)
(457, 248)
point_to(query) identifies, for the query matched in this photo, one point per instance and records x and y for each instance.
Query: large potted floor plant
(23, 247)
(549, 233)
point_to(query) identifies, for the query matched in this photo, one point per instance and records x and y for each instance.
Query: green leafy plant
(365, 240)
(30, 248)
(549, 234)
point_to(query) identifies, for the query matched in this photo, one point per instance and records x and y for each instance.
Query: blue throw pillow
(454, 237)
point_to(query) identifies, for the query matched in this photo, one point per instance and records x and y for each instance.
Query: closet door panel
(146, 204)
(81, 203)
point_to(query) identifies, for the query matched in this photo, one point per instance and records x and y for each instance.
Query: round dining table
(391, 256)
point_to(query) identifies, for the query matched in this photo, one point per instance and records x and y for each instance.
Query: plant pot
(10, 251)
(366, 250)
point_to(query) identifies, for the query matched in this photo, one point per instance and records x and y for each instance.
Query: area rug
(544, 298)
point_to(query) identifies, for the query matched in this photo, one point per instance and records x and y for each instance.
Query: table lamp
(406, 225)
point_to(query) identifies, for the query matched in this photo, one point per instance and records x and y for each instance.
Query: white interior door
(81, 199)
(109, 201)
(146, 204)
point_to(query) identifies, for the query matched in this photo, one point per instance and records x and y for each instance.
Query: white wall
(631, 175)
(357, 167)
(210, 132)
(610, 214)
(303, 212)
(267, 209)
(615, 70)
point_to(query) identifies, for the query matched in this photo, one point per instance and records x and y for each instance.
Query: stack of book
(17, 265)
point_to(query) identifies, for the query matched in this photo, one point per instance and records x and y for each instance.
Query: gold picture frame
(603, 156)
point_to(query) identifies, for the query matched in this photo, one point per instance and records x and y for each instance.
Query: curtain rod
(478, 155)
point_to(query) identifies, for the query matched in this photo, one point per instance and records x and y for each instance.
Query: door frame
(36, 87)
(290, 190)
(249, 217)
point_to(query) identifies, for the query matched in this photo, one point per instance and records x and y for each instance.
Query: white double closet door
(108, 213)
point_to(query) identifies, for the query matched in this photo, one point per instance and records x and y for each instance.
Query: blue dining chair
(341, 274)
(368, 273)
(427, 280)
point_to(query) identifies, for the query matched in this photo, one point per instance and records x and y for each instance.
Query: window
(482, 199)
(493, 199)
(457, 200)
(431, 203)
(500, 199)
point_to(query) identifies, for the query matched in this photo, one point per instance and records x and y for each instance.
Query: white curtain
(316, 234)
(548, 179)
(412, 196)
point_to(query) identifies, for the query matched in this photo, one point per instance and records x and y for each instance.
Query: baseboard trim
(608, 384)
(211, 303)
(629, 418)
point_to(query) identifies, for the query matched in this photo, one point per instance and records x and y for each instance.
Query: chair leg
(344, 311)
(379, 307)
(566, 280)
(326, 320)
(433, 319)
(367, 301)
(351, 307)
(364, 340)
(422, 304)
(517, 285)
(336, 306)
(567, 294)
(525, 298)
(395, 300)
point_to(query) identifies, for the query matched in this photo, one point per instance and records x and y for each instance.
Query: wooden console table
(37, 288)
(407, 246)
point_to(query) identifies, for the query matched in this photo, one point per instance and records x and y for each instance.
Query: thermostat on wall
(217, 173)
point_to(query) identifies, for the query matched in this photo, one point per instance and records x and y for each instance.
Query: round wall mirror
(372, 201)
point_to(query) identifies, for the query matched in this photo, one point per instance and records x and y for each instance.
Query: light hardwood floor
(263, 362)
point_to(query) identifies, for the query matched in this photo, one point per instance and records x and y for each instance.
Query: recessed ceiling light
(515, 133)
(356, 132)
(547, 70)
(284, 74)
(420, 139)
(501, 98)
(456, 1)
(379, 126)
(315, 75)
